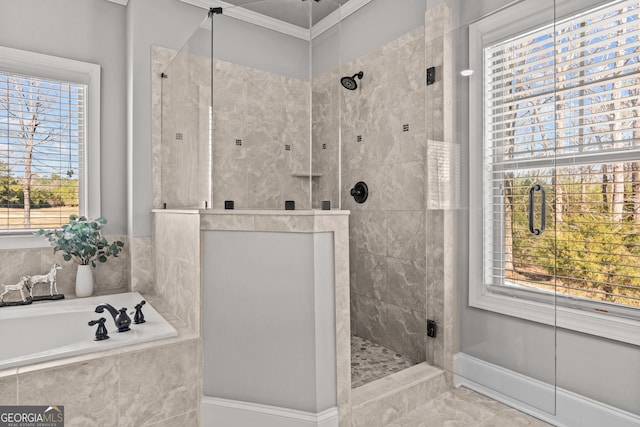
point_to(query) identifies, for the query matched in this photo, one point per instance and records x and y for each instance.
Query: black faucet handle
(139, 316)
(101, 332)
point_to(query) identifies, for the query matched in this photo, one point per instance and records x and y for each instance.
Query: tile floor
(371, 361)
(465, 408)
(456, 408)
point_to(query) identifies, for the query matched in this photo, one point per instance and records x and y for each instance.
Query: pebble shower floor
(370, 361)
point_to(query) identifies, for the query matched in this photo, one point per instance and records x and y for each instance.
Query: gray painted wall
(242, 43)
(377, 23)
(166, 23)
(604, 370)
(246, 44)
(91, 31)
(269, 319)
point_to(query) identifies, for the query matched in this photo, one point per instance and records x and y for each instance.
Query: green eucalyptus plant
(81, 240)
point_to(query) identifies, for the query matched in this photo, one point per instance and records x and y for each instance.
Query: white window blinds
(561, 110)
(42, 133)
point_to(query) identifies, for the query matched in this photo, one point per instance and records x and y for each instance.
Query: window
(49, 141)
(560, 187)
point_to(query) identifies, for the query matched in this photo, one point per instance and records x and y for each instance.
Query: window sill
(26, 241)
(604, 325)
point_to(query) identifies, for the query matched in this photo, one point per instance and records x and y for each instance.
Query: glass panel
(325, 111)
(381, 86)
(504, 126)
(185, 136)
(262, 107)
(597, 194)
(237, 129)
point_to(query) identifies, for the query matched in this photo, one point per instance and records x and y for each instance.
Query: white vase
(84, 281)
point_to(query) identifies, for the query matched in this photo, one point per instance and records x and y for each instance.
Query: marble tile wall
(185, 100)
(442, 185)
(269, 114)
(141, 262)
(156, 386)
(110, 277)
(259, 134)
(177, 265)
(325, 104)
(388, 274)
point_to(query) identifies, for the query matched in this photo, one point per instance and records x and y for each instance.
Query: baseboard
(217, 412)
(556, 406)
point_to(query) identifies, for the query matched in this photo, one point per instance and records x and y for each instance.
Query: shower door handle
(532, 190)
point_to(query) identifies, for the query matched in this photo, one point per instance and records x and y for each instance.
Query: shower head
(350, 82)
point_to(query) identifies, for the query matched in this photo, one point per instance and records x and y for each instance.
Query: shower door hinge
(432, 328)
(215, 11)
(431, 75)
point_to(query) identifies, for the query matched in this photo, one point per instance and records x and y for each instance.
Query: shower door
(508, 307)
(554, 202)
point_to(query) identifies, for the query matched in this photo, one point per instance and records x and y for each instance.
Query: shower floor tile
(370, 361)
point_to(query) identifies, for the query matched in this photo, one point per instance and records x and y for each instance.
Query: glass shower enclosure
(237, 112)
(461, 126)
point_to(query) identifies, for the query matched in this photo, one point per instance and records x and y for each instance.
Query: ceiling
(289, 17)
(294, 12)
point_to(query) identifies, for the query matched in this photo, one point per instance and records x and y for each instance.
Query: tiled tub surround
(110, 277)
(141, 261)
(151, 384)
(177, 261)
(56, 330)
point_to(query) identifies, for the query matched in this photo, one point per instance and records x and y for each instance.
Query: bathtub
(52, 330)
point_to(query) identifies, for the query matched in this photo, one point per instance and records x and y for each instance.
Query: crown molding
(246, 15)
(336, 16)
(121, 2)
(252, 17)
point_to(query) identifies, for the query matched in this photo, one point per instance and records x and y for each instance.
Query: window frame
(572, 313)
(63, 69)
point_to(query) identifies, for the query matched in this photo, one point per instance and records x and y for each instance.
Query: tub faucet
(121, 318)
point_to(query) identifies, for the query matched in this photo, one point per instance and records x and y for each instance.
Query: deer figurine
(49, 278)
(20, 286)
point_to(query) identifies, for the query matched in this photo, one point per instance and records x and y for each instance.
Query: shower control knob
(360, 192)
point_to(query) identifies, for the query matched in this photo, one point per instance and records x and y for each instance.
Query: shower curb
(383, 401)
